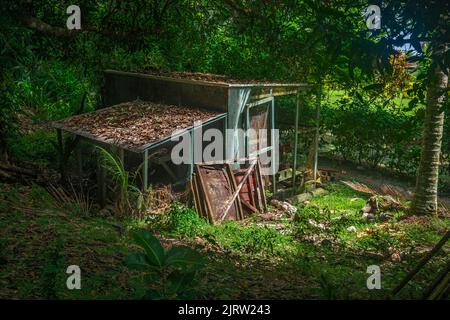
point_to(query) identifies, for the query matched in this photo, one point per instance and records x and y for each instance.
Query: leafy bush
(184, 221)
(229, 235)
(249, 239)
(374, 132)
(171, 273)
(32, 95)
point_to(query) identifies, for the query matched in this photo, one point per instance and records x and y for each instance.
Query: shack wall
(126, 86)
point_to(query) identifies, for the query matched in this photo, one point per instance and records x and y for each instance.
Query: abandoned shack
(141, 111)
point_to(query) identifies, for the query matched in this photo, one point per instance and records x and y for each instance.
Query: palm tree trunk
(425, 197)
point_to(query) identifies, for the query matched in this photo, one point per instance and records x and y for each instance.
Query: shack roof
(208, 79)
(136, 125)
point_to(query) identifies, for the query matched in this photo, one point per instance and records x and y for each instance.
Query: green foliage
(53, 266)
(129, 200)
(248, 239)
(150, 58)
(374, 132)
(184, 221)
(43, 76)
(230, 236)
(257, 239)
(171, 272)
(328, 263)
(44, 92)
(40, 196)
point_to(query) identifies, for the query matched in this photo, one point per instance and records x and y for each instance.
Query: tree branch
(41, 26)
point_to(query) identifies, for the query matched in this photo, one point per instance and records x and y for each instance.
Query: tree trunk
(425, 197)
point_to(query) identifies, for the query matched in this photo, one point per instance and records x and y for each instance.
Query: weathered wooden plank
(206, 196)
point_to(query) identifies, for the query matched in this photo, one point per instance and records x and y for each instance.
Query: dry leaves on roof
(209, 77)
(137, 123)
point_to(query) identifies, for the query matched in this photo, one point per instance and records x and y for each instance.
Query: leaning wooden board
(252, 193)
(247, 194)
(218, 188)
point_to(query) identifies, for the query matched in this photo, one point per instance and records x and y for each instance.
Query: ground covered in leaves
(322, 252)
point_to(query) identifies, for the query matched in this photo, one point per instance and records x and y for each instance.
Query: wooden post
(192, 154)
(261, 187)
(225, 150)
(294, 165)
(62, 165)
(101, 181)
(272, 131)
(247, 137)
(316, 138)
(145, 171)
(79, 161)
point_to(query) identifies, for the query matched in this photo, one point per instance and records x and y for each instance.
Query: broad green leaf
(180, 281)
(151, 245)
(183, 257)
(136, 261)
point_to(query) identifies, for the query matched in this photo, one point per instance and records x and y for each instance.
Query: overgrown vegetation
(374, 109)
(314, 256)
(173, 270)
(374, 132)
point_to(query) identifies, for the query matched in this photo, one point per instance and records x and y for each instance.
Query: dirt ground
(376, 179)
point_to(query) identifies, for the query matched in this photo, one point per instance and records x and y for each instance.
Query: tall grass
(76, 200)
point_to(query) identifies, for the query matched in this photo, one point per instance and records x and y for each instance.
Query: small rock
(317, 225)
(318, 191)
(367, 208)
(384, 216)
(270, 216)
(396, 257)
(285, 206)
(351, 229)
(275, 202)
(369, 216)
(299, 198)
(340, 218)
(289, 208)
(200, 241)
(371, 205)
